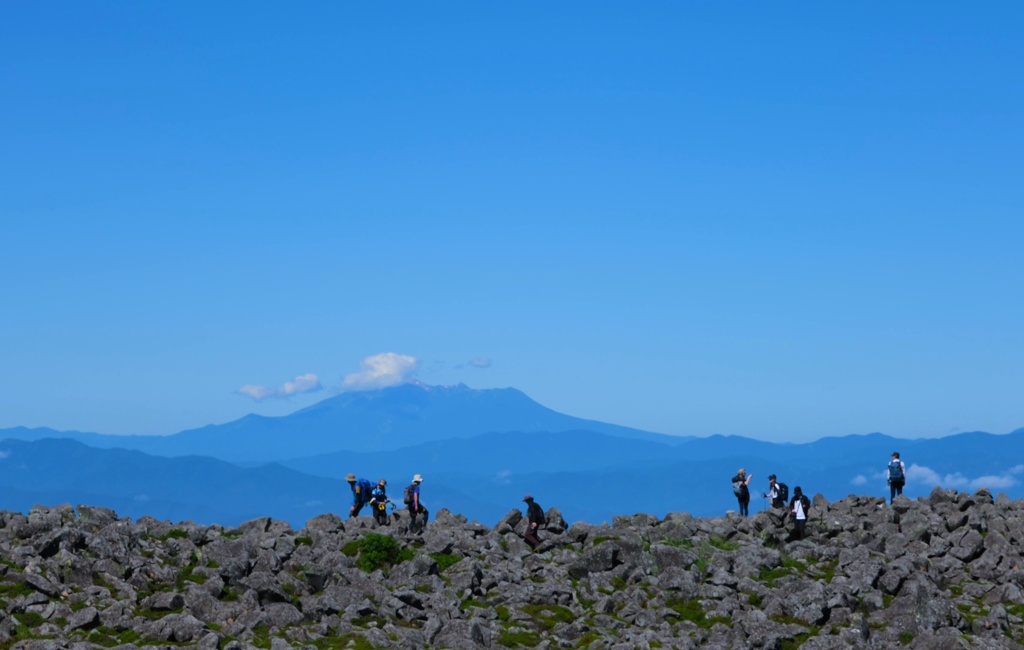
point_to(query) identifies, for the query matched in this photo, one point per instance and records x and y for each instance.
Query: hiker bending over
(412, 499)
(799, 507)
(534, 520)
(379, 503)
(897, 476)
(739, 488)
(361, 489)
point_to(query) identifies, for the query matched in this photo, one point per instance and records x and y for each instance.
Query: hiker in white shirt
(799, 507)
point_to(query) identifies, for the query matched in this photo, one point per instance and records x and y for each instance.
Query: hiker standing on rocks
(799, 507)
(775, 493)
(379, 503)
(742, 492)
(534, 520)
(897, 476)
(361, 489)
(412, 498)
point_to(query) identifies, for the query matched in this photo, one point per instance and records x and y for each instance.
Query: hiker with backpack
(361, 489)
(379, 503)
(777, 492)
(742, 492)
(799, 507)
(412, 499)
(534, 520)
(897, 476)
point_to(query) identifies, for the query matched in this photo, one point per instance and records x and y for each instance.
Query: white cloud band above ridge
(308, 383)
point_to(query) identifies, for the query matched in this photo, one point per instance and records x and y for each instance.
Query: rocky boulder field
(940, 572)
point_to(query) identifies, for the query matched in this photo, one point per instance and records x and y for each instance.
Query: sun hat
(527, 498)
(350, 477)
(417, 479)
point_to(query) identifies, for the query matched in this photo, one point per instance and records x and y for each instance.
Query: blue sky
(781, 221)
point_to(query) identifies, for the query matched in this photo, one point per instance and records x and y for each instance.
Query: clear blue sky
(785, 221)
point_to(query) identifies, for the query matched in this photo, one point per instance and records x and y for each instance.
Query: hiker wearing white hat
(412, 499)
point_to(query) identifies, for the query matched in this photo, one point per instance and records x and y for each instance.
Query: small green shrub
(379, 552)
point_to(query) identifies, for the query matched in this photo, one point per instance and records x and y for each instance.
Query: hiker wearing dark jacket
(742, 492)
(361, 489)
(379, 503)
(897, 476)
(798, 507)
(415, 505)
(534, 520)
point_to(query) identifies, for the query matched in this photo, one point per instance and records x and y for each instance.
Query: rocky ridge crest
(943, 571)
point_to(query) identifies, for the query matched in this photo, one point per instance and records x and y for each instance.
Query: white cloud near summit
(308, 383)
(380, 371)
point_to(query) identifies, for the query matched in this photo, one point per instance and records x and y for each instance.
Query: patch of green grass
(174, 533)
(303, 540)
(691, 610)
(755, 600)
(722, 544)
(600, 539)
(228, 595)
(678, 543)
(516, 639)
(547, 616)
(108, 637)
(348, 641)
(502, 612)
(887, 600)
(826, 571)
(30, 619)
(469, 603)
(368, 621)
(445, 560)
(906, 637)
(14, 589)
(588, 638)
(186, 575)
(155, 615)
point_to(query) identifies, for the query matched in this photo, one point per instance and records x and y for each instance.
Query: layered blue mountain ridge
(479, 451)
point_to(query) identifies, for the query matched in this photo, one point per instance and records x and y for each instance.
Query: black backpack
(407, 495)
(737, 488)
(783, 490)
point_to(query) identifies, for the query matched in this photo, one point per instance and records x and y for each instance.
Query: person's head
(382, 483)
(527, 498)
(351, 478)
(896, 455)
(771, 478)
(797, 492)
(742, 472)
(417, 479)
